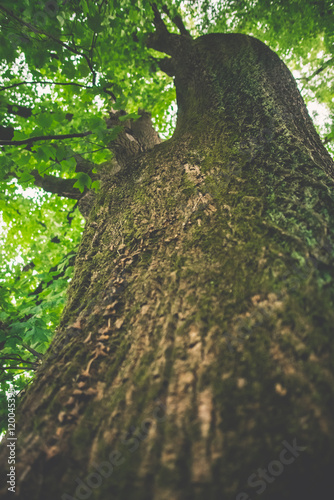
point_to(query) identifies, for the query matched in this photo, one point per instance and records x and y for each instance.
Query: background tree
(55, 135)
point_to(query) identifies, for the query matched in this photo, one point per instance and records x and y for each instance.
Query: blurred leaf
(83, 180)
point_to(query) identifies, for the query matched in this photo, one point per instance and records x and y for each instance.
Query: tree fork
(193, 358)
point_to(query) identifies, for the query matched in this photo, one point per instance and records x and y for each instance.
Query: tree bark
(194, 359)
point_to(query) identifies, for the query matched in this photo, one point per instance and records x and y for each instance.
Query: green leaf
(3, 315)
(68, 165)
(44, 120)
(19, 136)
(95, 185)
(94, 23)
(61, 152)
(83, 180)
(134, 116)
(26, 177)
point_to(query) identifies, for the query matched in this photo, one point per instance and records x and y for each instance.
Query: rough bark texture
(197, 341)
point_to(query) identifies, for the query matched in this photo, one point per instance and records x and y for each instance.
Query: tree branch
(6, 133)
(327, 139)
(17, 358)
(39, 288)
(319, 70)
(83, 165)
(64, 187)
(16, 109)
(31, 140)
(158, 21)
(32, 351)
(57, 185)
(45, 82)
(135, 137)
(25, 368)
(177, 20)
(161, 39)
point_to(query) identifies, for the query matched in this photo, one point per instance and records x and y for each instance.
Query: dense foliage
(64, 65)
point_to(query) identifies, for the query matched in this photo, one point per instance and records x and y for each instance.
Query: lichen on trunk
(196, 344)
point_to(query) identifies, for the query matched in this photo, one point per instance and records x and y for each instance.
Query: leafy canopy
(64, 65)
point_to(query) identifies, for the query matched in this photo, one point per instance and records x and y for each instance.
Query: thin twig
(177, 20)
(316, 72)
(31, 140)
(4, 368)
(328, 139)
(35, 353)
(158, 21)
(44, 82)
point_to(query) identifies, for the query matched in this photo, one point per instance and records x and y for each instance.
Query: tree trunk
(194, 359)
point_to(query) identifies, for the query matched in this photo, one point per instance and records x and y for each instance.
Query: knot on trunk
(135, 135)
